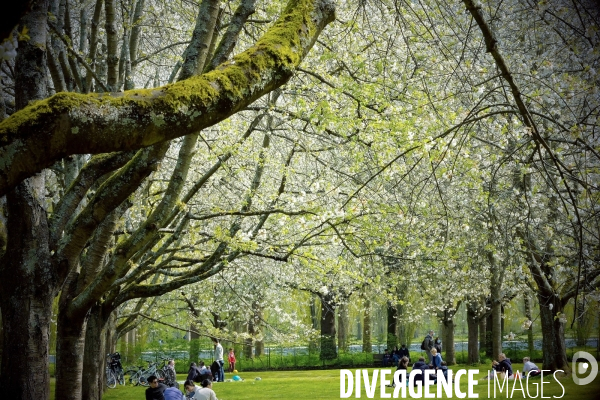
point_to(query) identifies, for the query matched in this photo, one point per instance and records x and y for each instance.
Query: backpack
(424, 345)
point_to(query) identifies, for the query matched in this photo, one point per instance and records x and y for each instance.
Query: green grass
(325, 384)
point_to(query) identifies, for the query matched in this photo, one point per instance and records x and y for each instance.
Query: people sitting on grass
(193, 373)
(195, 393)
(529, 368)
(173, 393)
(395, 356)
(444, 368)
(436, 359)
(402, 365)
(503, 365)
(403, 352)
(387, 358)
(156, 390)
(421, 365)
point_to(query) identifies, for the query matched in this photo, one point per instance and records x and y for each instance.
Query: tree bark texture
(343, 326)
(473, 333)
(553, 332)
(94, 362)
(29, 282)
(449, 353)
(328, 345)
(29, 285)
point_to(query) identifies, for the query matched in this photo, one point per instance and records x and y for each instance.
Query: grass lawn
(326, 385)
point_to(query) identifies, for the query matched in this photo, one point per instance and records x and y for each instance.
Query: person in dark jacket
(193, 373)
(428, 345)
(403, 352)
(503, 365)
(215, 367)
(422, 366)
(156, 390)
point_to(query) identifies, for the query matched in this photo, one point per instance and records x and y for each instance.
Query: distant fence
(302, 357)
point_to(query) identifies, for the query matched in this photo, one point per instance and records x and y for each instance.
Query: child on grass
(231, 358)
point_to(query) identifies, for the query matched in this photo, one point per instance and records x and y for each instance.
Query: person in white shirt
(529, 366)
(219, 358)
(195, 393)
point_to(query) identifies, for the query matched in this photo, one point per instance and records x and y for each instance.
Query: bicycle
(151, 370)
(111, 379)
(114, 370)
(134, 372)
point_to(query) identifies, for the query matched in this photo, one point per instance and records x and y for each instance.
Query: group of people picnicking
(400, 357)
(198, 373)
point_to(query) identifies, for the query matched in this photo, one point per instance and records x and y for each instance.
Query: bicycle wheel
(111, 380)
(121, 377)
(144, 379)
(160, 374)
(134, 378)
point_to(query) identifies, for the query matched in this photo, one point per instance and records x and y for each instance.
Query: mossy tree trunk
(29, 279)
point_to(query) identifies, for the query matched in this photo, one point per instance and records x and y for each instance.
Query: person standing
(231, 359)
(427, 345)
(156, 390)
(437, 343)
(170, 375)
(219, 358)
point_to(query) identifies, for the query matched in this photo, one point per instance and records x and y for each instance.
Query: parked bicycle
(114, 370)
(148, 372)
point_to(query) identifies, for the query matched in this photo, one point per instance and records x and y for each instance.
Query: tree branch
(69, 123)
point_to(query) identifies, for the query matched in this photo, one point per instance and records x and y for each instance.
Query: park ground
(325, 384)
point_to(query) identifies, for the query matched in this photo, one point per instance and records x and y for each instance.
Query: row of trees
(421, 154)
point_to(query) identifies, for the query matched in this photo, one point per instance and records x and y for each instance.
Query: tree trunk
(530, 347)
(581, 329)
(130, 346)
(553, 332)
(69, 356)
(26, 299)
(367, 346)
(94, 362)
(328, 347)
(392, 317)
(248, 341)
(488, 336)
(473, 333)
(29, 285)
(448, 335)
(482, 332)
(343, 322)
(496, 322)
